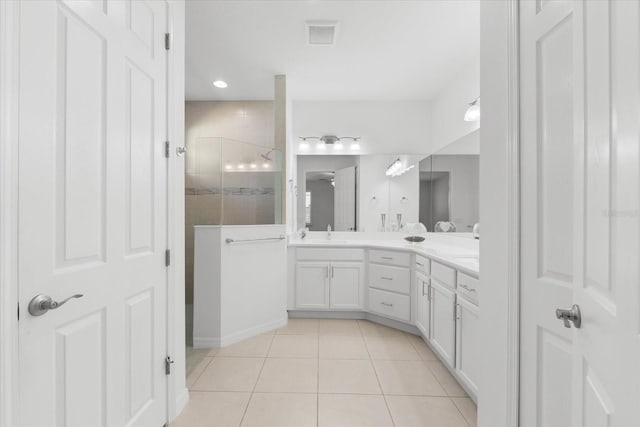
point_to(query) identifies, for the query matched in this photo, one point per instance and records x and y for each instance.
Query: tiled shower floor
(325, 373)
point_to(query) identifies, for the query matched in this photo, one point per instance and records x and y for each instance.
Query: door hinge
(167, 146)
(167, 258)
(167, 365)
(167, 41)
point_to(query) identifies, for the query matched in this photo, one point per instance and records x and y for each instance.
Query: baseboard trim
(181, 402)
(216, 342)
(354, 315)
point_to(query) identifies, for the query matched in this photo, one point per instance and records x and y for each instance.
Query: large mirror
(357, 193)
(449, 187)
(327, 193)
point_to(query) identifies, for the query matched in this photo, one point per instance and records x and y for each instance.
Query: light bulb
(473, 112)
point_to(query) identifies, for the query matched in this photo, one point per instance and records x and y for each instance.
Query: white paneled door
(92, 212)
(580, 160)
(344, 204)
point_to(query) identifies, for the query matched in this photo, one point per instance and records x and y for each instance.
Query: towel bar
(230, 241)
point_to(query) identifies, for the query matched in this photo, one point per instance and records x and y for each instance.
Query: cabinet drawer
(443, 274)
(394, 279)
(390, 257)
(423, 264)
(390, 304)
(468, 286)
(330, 254)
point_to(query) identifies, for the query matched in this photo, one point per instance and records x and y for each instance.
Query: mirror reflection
(449, 187)
(328, 197)
(358, 193)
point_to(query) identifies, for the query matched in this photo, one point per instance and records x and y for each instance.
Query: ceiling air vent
(321, 33)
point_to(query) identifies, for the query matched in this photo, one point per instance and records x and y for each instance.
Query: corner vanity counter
(428, 288)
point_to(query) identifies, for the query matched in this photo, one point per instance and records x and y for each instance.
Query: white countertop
(457, 252)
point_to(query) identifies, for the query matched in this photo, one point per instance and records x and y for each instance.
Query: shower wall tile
(207, 125)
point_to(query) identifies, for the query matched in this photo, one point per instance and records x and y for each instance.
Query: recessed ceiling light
(220, 84)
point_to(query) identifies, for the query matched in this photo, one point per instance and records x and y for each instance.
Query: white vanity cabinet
(467, 343)
(422, 295)
(311, 285)
(390, 284)
(443, 311)
(324, 281)
(423, 305)
(467, 331)
(346, 285)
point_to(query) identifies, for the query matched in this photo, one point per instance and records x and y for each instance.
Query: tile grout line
(264, 361)
(460, 411)
(201, 373)
(375, 372)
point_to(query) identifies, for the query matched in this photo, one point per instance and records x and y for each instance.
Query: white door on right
(580, 161)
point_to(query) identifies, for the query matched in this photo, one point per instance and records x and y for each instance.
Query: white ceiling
(385, 50)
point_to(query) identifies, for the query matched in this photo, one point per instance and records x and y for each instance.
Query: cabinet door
(422, 304)
(443, 321)
(467, 343)
(312, 290)
(347, 285)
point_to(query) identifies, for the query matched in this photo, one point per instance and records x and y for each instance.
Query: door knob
(569, 316)
(40, 304)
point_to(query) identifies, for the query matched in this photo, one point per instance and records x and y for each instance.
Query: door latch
(40, 304)
(569, 316)
(167, 365)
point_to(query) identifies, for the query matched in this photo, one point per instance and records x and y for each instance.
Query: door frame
(500, 212)
(177, 393)
(8, 213)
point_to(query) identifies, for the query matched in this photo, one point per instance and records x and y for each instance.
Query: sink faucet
(329, 231)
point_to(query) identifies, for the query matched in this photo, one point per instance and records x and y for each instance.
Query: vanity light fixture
(333, 140)
(220, 84)
(253, 166)
(228, 166)
(304, 145)
(473, 111)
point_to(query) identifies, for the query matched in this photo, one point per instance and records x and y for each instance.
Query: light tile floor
(326, 373)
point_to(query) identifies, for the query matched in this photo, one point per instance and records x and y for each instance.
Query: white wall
(450, 104)
(386, 127)
(494, 194)
(240, 288)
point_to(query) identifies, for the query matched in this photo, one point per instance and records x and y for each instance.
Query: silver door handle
(569, 316)
(40, 304)
(387, 304)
